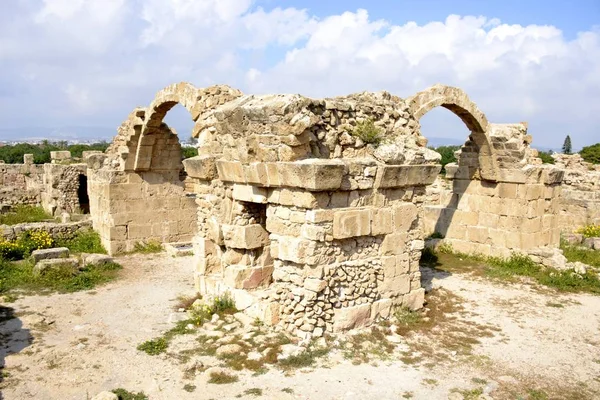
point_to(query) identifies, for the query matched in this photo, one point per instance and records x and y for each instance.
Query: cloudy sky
(89, 62)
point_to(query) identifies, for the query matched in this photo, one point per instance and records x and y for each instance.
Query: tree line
(13, 153)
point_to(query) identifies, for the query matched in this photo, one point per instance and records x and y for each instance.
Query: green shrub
(589, 231)
(223, 304)
(591, 153)
(368, 132)
(13, 154)
(188, 152)
(546, 157)
(27, 242)
(123, 394)
(447, 153)
(21, 214)
(155, 346)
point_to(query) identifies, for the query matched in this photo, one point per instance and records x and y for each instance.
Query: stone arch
(457, 101)
(195, 100)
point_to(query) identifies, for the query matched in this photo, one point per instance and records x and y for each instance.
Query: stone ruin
(60, 186)
(309, 224)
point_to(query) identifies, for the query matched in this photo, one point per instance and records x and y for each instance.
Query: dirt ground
(485, 340)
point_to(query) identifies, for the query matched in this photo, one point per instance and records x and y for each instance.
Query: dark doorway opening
(82, 195)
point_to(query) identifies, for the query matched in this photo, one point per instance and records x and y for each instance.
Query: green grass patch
(564, 281)
(581, 254)
(19, 275)
(189, 387)
(21, 214)
(518, 266)
(87, 241)
(305, 359)
(160, 344)
(123, 394)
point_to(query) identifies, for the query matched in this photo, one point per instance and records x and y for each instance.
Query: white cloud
(95, 60)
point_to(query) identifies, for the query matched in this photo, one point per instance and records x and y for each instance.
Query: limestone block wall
(129, 208)
(580, 195)
(494, 218)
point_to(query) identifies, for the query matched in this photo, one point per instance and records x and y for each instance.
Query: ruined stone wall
(21, 183)
(311, 211)
(60, 188)
(494, 219)
(580, 195)
(516, 212)
(130, 207)
(307, 226)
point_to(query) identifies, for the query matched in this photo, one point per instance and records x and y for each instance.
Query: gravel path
(524, 341)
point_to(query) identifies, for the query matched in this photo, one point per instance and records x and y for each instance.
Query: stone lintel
(311, 174)
(391, 176)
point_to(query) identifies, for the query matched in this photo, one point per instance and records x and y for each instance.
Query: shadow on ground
(429, 271)
(13, 339)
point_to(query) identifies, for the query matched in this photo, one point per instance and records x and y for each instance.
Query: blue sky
(570, 16)
(88, 63)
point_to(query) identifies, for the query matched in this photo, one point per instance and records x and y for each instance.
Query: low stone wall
(55, 229)
(580, 195)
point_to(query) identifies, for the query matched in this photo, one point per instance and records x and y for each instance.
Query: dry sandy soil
(484, 340)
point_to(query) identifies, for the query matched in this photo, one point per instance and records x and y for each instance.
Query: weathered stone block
(351, 317)
(312, 174)
(414, 300)
(245, 237)
(243, 277)
(201, 167)
(46, 254)
(351, 223)
(404, 216)
(382, 221)
(95, 259)
(315, 285)
(45, 265)
(249, 193)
